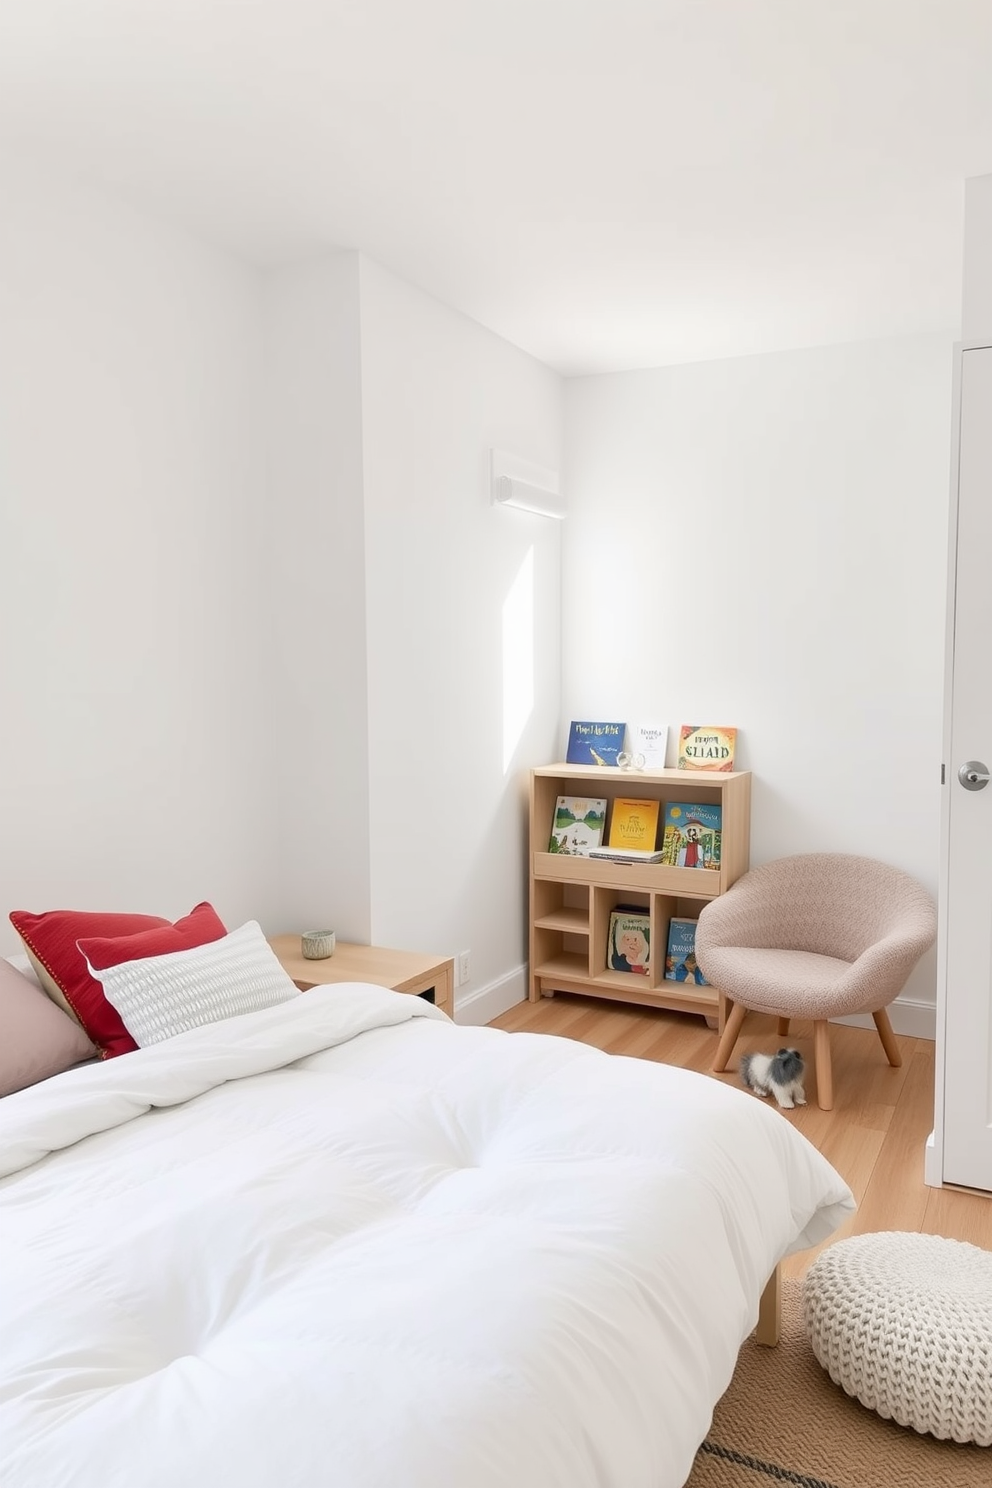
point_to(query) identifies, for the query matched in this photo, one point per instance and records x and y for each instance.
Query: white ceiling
(607, 183)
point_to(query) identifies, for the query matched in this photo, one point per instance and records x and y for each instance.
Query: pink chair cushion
(801, 984)
(816, 935)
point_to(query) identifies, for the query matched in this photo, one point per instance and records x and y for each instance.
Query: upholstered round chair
(815, 936)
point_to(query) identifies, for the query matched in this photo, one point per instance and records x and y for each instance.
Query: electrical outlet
(464, 971)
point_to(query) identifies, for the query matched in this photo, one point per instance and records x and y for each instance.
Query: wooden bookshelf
(571, 898)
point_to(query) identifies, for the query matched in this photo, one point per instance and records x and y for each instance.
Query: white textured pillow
(160, 996)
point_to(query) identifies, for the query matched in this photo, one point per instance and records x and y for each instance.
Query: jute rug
(783, 1420)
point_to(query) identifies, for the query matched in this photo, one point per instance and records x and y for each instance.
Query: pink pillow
(51, 940)
(36, 1038)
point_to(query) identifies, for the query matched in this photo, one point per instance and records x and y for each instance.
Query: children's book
(634, 823)
(578, 825)
(626, 855)
(629, 947)
(680, 962)
(691, 836)
(594, 743)
(649, 741)
(704, 746)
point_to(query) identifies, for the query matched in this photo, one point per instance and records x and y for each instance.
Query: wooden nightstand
(403, 971)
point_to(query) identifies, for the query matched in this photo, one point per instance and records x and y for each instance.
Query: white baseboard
(907, 1015)
(910, 1016)
(479, 1008)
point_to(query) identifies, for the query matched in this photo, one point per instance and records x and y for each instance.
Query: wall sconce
(519, 483)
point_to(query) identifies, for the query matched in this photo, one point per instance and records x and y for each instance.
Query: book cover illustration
(594, 743)
(634, 824)
(578, 825)
(707, 747)
(680, 962)
(648, 742)
(691, 836)
(629, 946)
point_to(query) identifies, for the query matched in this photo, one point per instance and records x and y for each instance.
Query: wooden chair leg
(821, 1057)
(888, 1038)
(783, 1027)
(735, 1020)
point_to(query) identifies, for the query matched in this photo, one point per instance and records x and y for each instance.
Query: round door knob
(973, 775)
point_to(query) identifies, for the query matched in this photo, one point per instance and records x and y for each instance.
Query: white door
(966, 1084)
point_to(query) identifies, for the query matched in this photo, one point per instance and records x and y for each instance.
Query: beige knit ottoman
(903, 1322)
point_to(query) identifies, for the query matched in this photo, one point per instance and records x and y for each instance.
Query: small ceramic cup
(318, 944)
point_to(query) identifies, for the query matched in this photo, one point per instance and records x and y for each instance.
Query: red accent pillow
(202, 925)
(53, 937)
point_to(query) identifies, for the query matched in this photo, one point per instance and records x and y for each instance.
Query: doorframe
(933, 1162)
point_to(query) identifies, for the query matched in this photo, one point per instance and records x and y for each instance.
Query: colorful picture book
(648, 742)
(634, 824)
(680, 962)
(691, 835)
(594, 743)
(629, 947)
(578, 825)
(707, 747)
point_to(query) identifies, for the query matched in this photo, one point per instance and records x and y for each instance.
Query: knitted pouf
(903, 1322)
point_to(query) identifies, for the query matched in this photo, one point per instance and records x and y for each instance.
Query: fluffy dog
(780, 1075)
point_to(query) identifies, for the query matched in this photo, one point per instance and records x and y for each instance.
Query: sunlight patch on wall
(518, 658)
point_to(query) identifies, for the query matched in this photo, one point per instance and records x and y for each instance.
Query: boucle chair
(903, 1322)
(816, 936)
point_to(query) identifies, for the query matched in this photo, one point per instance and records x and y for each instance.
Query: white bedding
(343, 1242)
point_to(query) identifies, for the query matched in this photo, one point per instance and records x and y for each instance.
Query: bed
(341, 1240)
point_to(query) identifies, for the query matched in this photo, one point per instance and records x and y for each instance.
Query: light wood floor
(874, 1136)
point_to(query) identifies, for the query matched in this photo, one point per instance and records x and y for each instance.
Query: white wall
(447, 809)
(256, 598)
(315, 592)
(976, 304)
(762, 542)
(241, 664)
(134, 707)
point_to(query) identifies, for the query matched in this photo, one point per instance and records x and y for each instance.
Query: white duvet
(342, 1242)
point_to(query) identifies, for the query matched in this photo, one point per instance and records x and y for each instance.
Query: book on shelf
(578, 825)
(626, 855)
(634, 823)
(680, 960)
(629, 946)
(691, 835)
(648, 742)
(594, 743)
(707, 747)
